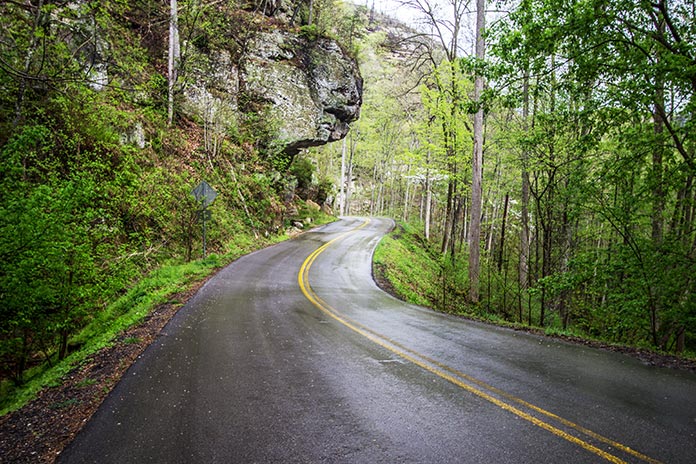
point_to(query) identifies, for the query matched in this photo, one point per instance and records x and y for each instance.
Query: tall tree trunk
(373, 193)
(349, 174)
(464, 233)
(448, 217)
(547, 239)
(502, 233)
(657, 174)
(477, 163)
(174, 55)
(428, 198)
(658, 195)
(456, 219)
(342, 184)
(524, 230)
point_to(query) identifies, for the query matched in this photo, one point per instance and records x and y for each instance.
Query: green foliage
(590, 107)
(407, 263)
(95, 188)
(309, 32)
(303, 170)
(129, 309)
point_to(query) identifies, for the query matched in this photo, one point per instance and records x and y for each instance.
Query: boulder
(311, 88)
(305, 90)
(312, 205)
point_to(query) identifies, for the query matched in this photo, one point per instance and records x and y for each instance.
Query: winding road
(293, 355)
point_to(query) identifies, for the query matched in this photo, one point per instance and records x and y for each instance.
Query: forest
(541, 152)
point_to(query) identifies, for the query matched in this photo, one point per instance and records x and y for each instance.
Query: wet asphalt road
(265, 366)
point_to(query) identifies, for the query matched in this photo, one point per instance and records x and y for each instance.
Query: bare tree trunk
(524, 231)
(491, 230)
(477, 164)
(502, 233)
(464, 233)
(349, 180)
(174, 54)
(448, 217)
(658, 205)
(374, 198)
(456, 219)
(428, 199)
(342, 184)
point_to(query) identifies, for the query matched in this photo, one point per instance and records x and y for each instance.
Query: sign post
(205, 195)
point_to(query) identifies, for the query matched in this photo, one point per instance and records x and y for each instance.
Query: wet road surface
(292, 354)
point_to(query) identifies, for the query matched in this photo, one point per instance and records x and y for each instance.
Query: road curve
(292, 354)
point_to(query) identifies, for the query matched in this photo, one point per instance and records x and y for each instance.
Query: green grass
(86, 383)
(130, 309)
(158, 287)
(407, 263)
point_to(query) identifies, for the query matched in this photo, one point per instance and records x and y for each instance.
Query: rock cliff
(307, 88)
(312, 88)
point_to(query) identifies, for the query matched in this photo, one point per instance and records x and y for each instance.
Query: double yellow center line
(470, 384)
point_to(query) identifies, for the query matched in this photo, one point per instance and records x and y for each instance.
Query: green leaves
(610, 91)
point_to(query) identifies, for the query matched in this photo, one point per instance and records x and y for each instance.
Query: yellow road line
(449, 374)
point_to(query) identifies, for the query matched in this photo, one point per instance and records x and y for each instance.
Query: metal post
(204, 194)
(203, 212)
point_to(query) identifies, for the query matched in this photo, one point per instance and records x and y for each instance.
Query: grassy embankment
(416, 272)
(160, 286)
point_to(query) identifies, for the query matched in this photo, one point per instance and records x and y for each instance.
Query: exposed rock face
(312, 87)
(309, 89)
(211, 93)
(306, 90)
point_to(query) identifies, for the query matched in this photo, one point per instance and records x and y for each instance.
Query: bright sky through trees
(416, 19)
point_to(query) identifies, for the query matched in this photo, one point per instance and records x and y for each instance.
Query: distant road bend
(292, 354)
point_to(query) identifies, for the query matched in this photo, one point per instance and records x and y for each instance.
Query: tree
(610, 81)
(477, 159)
(174, 56)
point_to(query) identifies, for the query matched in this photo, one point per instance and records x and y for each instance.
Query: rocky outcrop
(307, 89)
(311, 88)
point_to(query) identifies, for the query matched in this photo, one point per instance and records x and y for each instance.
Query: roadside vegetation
(98, 224)
(412, 269)
(147, 293)
(580, 217)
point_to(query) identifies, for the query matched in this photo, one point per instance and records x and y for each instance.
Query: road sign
(204, 194)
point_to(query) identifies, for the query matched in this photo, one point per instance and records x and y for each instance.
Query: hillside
(103, 139)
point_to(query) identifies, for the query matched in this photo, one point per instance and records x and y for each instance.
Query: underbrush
(412, 269)
(131, 308)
